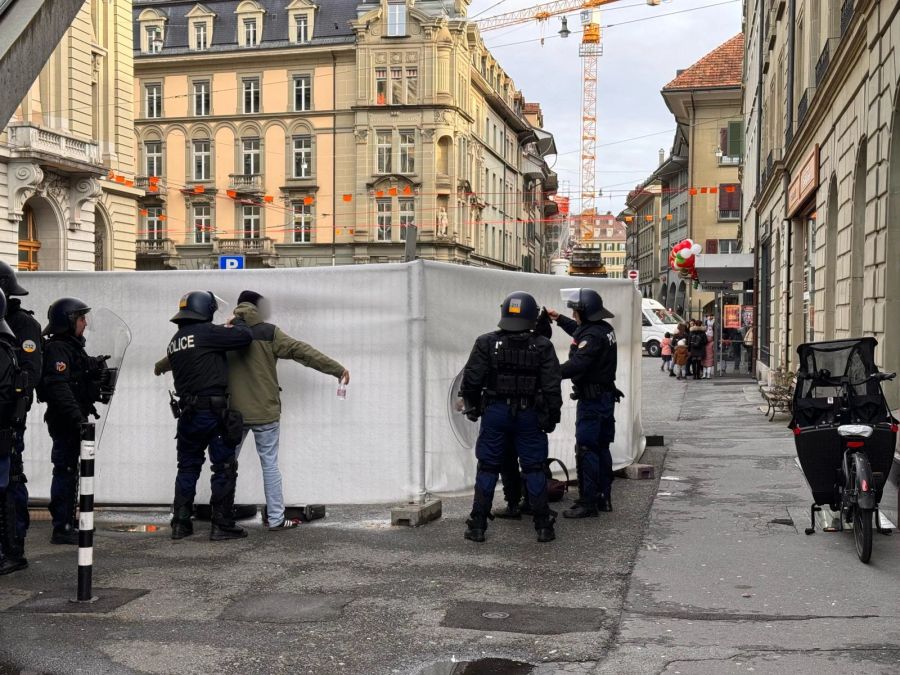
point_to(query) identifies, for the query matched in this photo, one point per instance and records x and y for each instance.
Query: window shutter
(712, 245)
(723, 140)
(735, 139)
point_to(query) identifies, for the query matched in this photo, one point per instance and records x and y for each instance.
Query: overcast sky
(639, 58)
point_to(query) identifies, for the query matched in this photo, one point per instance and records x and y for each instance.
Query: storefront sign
(732, 316)
(805, 183)
(747, 315)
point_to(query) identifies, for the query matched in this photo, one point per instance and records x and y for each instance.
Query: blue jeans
(595, 429)
(502, 426)
(266, 438)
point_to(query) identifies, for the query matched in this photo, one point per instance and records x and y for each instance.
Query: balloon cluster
(683, 258)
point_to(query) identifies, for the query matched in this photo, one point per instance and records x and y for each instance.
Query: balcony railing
(25, 137)
(725, 160)
(847, 10)
(825, 59)
(143, 183)
(156, 247)
(803, 107)
(728, 214)
(245, 182)
(260, 246)
(770, 162)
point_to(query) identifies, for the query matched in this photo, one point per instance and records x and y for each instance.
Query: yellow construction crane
(589, 50)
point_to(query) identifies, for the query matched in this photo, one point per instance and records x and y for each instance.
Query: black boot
(66, 535)
(222, 531)
(605, 503)
(581, 510)
(12, 549)
(181, 519)
(543, 525)
(477, 524)
(222, 504)
(511, 512)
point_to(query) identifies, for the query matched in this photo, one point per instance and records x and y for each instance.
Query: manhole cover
(496, 615)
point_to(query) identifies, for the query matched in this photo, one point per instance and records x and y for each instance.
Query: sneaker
(285, 524)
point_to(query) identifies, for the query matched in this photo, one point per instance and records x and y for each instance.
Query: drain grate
(531, 619)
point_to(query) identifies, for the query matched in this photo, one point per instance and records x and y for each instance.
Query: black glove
(549, 428)
(543, 327)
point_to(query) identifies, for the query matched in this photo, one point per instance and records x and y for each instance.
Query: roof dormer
(302, 19)
(250, 16)
(153, 30)
(201, 22)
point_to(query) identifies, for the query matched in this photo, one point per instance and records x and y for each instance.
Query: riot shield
(465, 430)
(107, 338)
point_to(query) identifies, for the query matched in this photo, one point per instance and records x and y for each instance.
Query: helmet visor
(571, 297)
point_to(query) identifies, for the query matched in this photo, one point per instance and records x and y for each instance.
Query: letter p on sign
(231, 262)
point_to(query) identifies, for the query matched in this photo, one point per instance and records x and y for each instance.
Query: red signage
(805, 183)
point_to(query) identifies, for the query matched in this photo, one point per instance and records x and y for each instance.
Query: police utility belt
(190, 402)
(592, 391)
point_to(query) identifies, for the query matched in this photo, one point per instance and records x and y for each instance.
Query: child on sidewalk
(709, 360)
(681, 357)
(666, 352)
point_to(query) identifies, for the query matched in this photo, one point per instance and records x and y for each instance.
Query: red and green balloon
(683, 258)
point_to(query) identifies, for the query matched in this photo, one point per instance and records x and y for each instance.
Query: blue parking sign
(231, 262)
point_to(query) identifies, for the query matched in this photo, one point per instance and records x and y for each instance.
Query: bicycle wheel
(862, 532)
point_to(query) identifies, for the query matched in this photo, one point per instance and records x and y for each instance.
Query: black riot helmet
(5, 330)
(62, 315)
(196, 306)
(589, 305)
(8, 282)
(519, 312)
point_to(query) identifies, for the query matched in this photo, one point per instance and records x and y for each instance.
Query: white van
(656, 321)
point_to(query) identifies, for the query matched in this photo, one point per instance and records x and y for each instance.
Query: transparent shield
(224, 312)
(569, 295)
(107, 338)
(465, 430)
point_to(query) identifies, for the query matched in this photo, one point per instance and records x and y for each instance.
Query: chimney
(662, 156)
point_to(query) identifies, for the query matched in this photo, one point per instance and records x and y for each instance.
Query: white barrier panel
(404, 332)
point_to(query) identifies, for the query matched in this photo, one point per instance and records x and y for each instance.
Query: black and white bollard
(86, 515)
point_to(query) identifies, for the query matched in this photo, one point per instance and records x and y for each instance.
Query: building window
(396, 86)
(153, 100)
(202, 223)
(153, 158)
(302, 156)
(201, 160)
(250, 220)
(407, 216)
(383, 232)
(412, 85)
(301, 22)
(730, 201)
(384, 151)
(250, 156)
(201, 98)
(302, 93)
(201, 41)
(407, 152)
(729, 246)
(251, 95)
(731, 144)
(396, 19)
(303, 222)
(250, 35)
(154, 39)
(381, 86)
(153, 223)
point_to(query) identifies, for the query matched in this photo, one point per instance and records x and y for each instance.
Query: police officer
(13, 383)
(70, 385)
(512, 378)
(197, 356)
(592, 369)
(27, 331)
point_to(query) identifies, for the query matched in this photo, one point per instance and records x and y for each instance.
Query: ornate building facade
(67, 200)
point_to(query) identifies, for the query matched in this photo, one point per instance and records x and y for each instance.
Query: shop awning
(718, 271)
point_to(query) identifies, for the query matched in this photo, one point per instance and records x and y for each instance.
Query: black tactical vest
(515, 366)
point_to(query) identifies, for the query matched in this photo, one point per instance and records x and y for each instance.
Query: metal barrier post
(86, 515)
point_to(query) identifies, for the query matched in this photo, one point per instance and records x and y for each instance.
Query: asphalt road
(705, 582)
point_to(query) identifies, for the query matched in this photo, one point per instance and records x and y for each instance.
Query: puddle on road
(488, 666)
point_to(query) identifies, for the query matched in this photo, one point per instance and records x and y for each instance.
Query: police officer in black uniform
(592, 369)
(13, 386)
(197, 356)
(512, 378)
(27, 331)
(71, 386)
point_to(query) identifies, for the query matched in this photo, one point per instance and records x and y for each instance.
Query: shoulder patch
(582, 344)
(29, 346)
(61, 366)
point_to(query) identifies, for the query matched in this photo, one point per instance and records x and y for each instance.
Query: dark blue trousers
(595, 429)
(64, 454)
(197, 431)
(502, 425)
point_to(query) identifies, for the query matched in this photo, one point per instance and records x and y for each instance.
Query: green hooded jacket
(253, 374)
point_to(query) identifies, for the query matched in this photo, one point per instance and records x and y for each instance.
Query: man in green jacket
(254, 390)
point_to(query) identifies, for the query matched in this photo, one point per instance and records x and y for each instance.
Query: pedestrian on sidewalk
(709, 359)
(680, 359)
(681, 333)
(748, 347)
(666, 352)
(697, 343)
